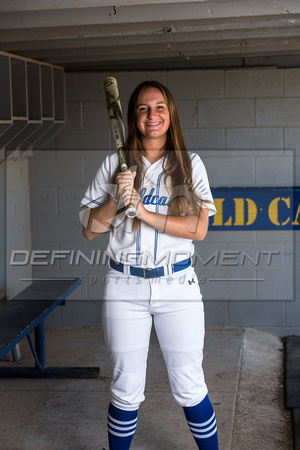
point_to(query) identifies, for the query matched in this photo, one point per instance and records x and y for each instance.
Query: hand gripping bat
(117, 127)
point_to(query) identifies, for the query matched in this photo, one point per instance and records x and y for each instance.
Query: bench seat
(26, 312)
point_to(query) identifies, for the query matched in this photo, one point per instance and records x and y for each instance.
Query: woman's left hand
(130, 196)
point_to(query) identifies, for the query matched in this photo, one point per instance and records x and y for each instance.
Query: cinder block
(85, 256)
(293, 310)
(96, 283)
(296, 252)
(253, 83)
(85, 86)
(230, 171)
(95, 116)
(292, 142)
(274, 171)
(73, 116)
(207, 255)
(276, 285)
(275, 236)
(45, 245)
(291, 82)
(210, 153)
(2, 179)
(297, 170)
(15, 282)
(69, 200)
(43, 200)
(78, 140)
(265, 153)
(268, 256)
(251, 139)
(39, 271)
(225, 113)
(224, 284)
(256, 313)
(291, 250)
(54, 229)
(56, 172)
(92, 166)
(45, 153)
(17, 208)
(229, 236)
(80, 293)
(193, 84)
(211, 289)
(54, 271)
(79, 154)
(277, 112)
(48, 148)
(41, 260)
(215, 312)
(128, 81)
(54, 319)
(211, 237)
(86, 313)
(205, 139)
(17, 262)
(17, 175)
(187, 111)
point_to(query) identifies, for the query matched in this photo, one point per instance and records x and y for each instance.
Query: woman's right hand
(125, 182)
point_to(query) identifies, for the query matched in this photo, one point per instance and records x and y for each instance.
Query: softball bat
(117, 127)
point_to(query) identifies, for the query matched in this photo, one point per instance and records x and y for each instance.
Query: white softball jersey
(146, 247)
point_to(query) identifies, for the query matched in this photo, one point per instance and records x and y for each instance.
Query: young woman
(150, 276)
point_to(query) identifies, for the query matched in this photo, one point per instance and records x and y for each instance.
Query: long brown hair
(177, 164)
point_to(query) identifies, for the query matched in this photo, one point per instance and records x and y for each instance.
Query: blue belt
(151, 273)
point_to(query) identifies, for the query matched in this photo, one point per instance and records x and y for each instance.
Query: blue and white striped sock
(121, 427)
(202, 422)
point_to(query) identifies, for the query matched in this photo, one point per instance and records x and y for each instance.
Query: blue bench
(26, 312)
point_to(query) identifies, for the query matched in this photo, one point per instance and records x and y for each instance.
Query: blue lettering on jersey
(150, 199)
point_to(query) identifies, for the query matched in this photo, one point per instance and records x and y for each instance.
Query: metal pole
(39, 334)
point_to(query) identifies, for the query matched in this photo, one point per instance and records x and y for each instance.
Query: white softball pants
(175, 303)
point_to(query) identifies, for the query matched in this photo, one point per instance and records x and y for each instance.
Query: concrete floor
(244, 373)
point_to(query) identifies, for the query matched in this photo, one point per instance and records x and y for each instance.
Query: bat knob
(131, 211)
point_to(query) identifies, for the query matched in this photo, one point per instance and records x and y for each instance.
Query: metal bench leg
(40, 370)
(14, 354)
(40, 345)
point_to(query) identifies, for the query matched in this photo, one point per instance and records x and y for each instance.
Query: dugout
(234, 71)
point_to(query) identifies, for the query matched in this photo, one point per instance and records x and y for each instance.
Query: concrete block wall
(245, 124)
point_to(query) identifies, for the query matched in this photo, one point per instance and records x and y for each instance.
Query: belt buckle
(144, 272)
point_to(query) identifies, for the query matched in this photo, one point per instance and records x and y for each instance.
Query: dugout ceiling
(137, 34)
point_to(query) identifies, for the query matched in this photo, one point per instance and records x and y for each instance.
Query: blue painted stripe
(157, 210)
(138, 243)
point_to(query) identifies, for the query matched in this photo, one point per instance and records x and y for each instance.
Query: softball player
(150, 278)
